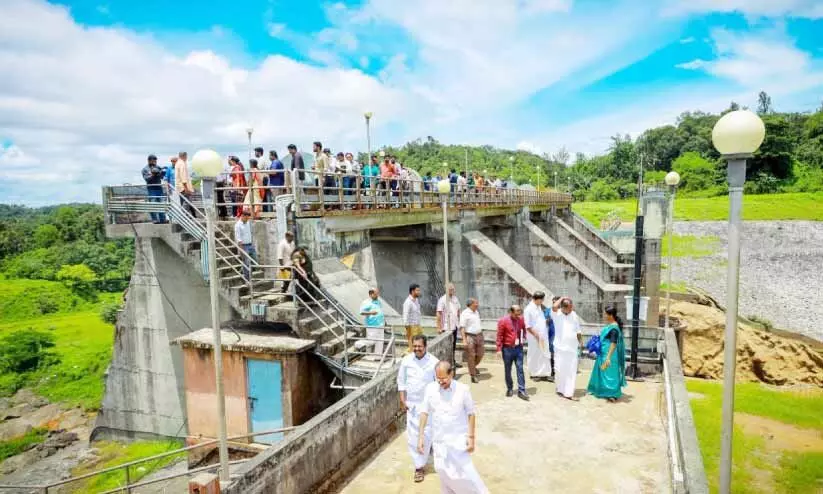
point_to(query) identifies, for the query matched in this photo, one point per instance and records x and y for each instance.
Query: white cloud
(541, 6)
(88, 104)
(812, 9)
(276, 29)
(686, 41)
(529, 147)
(693, 65)
(759, 60)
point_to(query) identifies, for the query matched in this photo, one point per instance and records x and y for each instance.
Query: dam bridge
(500, 245)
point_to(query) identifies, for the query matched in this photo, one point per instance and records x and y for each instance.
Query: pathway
(546, 445)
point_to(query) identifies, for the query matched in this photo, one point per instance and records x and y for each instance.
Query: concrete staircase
(315, 315)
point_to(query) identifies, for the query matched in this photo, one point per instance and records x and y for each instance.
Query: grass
(23, 443)
(691, 246)
(113, 454)
(783, 471)
(82, 341)
(676, 287)
(794, 206)
(25, 299)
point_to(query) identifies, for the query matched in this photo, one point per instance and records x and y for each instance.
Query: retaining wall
(319, 456)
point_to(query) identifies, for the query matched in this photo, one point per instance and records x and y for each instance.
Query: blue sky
(99, 84)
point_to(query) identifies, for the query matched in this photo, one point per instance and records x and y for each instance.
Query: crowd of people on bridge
(544, 340)
(255, 186)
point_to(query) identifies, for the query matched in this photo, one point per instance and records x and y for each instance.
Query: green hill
(25, 299)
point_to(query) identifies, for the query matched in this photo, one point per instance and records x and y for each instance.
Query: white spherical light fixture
(738, 132)
(444, 186)
(672, 178)
(207, 163)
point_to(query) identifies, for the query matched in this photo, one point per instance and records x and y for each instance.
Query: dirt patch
(781, 436)
(762, 355)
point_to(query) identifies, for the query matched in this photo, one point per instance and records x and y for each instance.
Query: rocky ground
(781, 271)
(771, 357)
(65, 446)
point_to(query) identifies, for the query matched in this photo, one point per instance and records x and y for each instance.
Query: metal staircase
(310, 310)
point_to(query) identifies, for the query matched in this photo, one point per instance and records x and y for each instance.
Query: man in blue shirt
(547, 312)
(375, 321)
(153, 176)
(278, 176)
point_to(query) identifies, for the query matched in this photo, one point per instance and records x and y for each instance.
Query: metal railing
(128, 487)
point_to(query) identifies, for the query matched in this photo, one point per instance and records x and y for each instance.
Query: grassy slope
(113, 454)
(790, 472)
(798, 206)
(25, 299)
(82, 340)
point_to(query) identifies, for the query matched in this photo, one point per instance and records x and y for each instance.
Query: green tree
(660, 146)
(46, 235)
(764, 103)
(26, 350)
(775, 154)
(696, 172)
(79, 278)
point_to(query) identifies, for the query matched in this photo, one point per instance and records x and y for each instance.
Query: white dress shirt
(470, 320)
(414, 375)
(284, 251)
(242, 232)
(566, 329)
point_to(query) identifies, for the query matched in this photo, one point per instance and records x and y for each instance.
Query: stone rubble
(780, 271)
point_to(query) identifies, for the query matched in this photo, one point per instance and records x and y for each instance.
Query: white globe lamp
(672, 178)
(444, 186)
(207, 163)
(738, 132)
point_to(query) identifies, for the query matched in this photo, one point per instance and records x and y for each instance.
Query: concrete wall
(564, 274)
(144, 393)
(583, 250)
(594, 237)
(305, 389)
(687, 448)
(323, 453)
(399, 264)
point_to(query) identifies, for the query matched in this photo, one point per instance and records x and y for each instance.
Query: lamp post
(444, 187)
(207, 164)
(737, 135)
(538, 178)
(249, 132)
(672, 179)
(555, 180)
(368, 116)
(511, 169)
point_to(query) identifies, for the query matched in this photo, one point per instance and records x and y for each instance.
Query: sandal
(418, 475)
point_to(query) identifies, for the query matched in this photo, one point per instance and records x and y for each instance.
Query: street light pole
(511, 169)
(368, 116)
(737, 135)
(672, 179)
(555, 180)
(249, 131)
(444, 187)
(208, 165)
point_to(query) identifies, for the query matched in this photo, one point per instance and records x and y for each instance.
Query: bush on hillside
(25, 299)
(762, 184)
(46, 305)
(80, 279)
(26, 350)
(696, 172)
(108, 313)
(602, 191)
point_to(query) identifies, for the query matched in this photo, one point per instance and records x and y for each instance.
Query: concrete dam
(306, 367)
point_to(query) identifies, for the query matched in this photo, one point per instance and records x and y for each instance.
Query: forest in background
(789, 160)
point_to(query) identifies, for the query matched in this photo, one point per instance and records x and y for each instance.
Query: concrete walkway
(546, 445)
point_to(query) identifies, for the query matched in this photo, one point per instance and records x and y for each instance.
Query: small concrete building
(271, 380)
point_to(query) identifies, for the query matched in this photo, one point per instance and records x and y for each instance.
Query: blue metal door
(265, 378)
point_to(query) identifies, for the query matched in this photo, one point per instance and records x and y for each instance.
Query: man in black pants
(448, 310)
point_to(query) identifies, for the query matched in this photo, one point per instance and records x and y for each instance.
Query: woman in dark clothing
(609, 374)
(305, 277)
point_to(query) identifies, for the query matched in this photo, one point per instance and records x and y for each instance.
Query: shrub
(80, 278)
(108, 313)
(23, 443)
(47, 305)
(26, 350)
(602, 191)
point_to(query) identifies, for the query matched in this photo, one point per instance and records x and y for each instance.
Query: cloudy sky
(90, 87)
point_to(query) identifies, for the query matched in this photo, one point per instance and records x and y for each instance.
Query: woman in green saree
(609, 372)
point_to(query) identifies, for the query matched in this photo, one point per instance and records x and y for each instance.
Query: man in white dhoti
(416, 371)
(451, 408)
(539, 358)
(567, 342)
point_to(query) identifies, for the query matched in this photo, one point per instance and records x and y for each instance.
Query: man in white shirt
(411, 313)
(243, 237)
(539, 358)
(448, 317)
(285, 249)
(451, 408)
(415, 373)
(567, 342)
(472, 336)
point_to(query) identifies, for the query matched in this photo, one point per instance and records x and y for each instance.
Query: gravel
(781, 271)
